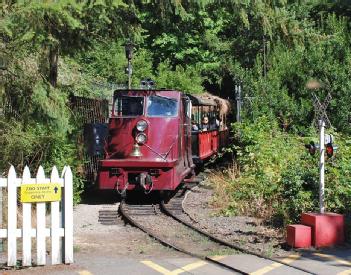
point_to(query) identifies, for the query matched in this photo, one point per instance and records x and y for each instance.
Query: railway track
(178, 237)
(182, 235)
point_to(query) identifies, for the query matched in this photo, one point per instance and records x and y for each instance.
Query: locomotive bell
(136, 151)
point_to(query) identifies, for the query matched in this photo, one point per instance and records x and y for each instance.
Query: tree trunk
(53, 63)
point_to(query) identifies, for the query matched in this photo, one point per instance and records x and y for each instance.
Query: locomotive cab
(148, 145)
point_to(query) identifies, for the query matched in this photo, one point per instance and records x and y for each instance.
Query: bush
(278, 179)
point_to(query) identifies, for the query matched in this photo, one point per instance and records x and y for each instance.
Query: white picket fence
(61, 221)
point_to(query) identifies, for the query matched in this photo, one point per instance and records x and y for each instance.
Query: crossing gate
(60, 230)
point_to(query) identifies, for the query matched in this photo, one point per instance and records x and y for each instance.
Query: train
(157, 138)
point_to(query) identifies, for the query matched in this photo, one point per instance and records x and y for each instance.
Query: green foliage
(68, 24)
(187, 79)
(279, 179)
(107, 62)
(283, 93)
(35, 145)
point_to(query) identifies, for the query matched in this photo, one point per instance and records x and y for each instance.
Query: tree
(63, 27)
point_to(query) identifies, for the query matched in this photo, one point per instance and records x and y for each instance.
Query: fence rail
(61, 224)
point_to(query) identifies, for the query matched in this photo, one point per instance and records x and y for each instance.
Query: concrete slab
(163, 266)
(190, 265)
(246, 263)
(211, 269)
(285, 270)
(256, 265)
(321, 263)
(113, 265)
(343, 253)
(331, 261)
(150, 266)
(326, 261)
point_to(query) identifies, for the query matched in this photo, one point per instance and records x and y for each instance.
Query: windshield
(129, 106)
(158, 106)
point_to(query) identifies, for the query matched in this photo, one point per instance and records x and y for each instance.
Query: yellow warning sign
(42, 192)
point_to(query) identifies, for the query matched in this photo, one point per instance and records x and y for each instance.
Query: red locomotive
(154, 139)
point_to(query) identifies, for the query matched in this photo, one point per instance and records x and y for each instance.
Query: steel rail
(168, 244)
(225, 243)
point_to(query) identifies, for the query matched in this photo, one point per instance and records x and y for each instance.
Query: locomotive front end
(142, 149)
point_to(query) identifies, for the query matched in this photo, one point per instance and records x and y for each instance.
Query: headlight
(140, 138)
(141, 125)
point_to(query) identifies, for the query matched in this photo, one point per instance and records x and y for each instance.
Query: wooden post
(55, 223)
(41, 245)
(1, 215)
(68, 215)
(11, 218)
(27, 224)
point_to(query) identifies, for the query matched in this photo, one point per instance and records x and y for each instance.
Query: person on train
(205, 124)
(214, 123)
(218, 121)
(194, 126)
(135, 108)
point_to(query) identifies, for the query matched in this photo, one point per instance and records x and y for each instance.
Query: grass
(228, 196)
(221, 183)
(223, 252)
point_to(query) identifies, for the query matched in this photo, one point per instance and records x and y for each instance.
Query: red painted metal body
(210, 142)
(205, 145)
(166, 155)
(166, 158)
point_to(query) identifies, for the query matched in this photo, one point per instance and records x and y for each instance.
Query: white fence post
(41, 245)
(11, 218)
(68, 215)
(27, 223)
(55, 223)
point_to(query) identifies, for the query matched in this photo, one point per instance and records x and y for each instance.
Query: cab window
(158, 106)
(129, 106)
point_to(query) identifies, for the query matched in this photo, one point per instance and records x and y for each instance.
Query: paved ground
(121, 249)
(336, 261)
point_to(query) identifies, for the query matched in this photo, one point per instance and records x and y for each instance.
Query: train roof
(205, 99)
(145, 90)
(201, 100)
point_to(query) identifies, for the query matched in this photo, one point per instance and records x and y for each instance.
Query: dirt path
(247, 232)
(119, 239)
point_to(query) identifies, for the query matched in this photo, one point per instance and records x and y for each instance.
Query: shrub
(278, 179)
